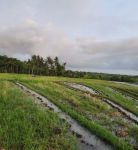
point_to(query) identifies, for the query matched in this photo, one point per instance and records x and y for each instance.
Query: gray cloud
(87, 54)
(31, 38)
(118, 54)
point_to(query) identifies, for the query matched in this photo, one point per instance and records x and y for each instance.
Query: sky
(90, 35)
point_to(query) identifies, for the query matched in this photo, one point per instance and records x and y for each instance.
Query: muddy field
(99, 114)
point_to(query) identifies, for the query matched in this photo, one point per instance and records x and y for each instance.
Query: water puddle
(81, 87)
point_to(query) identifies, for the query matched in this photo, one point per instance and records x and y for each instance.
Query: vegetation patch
(88, 109)
(62, 97)
(24, 125)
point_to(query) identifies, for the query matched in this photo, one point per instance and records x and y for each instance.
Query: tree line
(101, 76)
(36, 65)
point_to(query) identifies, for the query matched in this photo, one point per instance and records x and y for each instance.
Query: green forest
(37, 65)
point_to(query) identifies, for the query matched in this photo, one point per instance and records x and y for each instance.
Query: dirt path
(84, 88)
(86, 140)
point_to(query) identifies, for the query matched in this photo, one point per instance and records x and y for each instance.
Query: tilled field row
(86, 138)
(84, 88)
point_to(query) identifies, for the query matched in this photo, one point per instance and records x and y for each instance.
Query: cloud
(117, 54)
(31, 38)
(81, 54)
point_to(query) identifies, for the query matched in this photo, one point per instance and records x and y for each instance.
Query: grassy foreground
(73, 104)
(79, 106)
(26, 126)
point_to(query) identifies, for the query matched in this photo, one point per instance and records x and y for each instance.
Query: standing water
(87, 141)
(84, 88)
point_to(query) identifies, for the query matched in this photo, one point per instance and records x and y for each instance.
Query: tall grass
(26, 126)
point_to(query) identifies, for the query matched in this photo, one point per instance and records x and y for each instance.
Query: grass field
(26, 126)
(89, 110)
